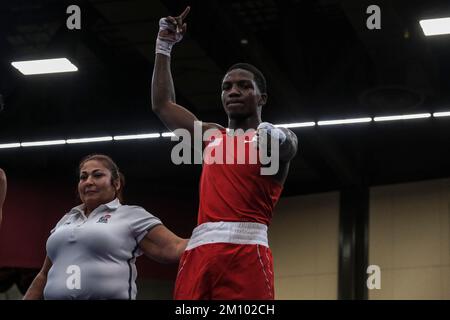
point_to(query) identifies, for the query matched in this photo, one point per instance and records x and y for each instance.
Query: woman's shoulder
(134, 209)
(137, 215)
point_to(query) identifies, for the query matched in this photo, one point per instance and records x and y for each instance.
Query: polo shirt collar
(113, 205)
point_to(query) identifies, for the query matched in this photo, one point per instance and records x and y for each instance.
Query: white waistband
(229, 232)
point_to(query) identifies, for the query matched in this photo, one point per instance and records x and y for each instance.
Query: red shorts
(225, 271)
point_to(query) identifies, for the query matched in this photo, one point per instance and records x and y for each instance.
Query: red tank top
(235, 192)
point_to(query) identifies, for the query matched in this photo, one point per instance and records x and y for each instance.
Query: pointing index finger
(185, 12)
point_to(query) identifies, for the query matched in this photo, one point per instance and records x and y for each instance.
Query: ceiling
(320, 60)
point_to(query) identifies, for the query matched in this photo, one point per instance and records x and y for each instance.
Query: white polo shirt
(94, 257)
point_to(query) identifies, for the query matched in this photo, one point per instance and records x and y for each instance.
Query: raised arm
(162, 245)
(174, 116)
(3, 185)
(36, 289)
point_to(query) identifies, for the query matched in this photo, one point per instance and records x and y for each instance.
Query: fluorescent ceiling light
(9, 145)
(42, 143)
(296, 125)
(44, 66)
(441, 114)
(167, 134)
(137, 136)
(171, 134)
(433, 27)
(343, 121)
(86, 140)
(403, 117)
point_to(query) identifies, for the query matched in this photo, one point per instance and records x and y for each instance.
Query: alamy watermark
(73, 281)
(74, 20)
(230, 148)
(374, 280)
(374, 20)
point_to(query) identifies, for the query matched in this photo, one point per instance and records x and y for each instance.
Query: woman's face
(95, 187)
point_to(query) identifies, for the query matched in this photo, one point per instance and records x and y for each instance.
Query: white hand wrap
(272, 131)
(168, 35)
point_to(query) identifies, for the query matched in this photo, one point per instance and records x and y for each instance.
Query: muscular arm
(3, 185)
(164, 103)
(171, 114)
(162, 245)
(36, 289)
(288, 148)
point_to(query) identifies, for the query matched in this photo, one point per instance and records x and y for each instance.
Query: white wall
(303, 237)
(409, 240)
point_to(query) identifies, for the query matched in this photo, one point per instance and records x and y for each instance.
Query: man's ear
(262, 100)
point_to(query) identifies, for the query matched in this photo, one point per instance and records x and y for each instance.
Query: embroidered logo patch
(104, 219)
